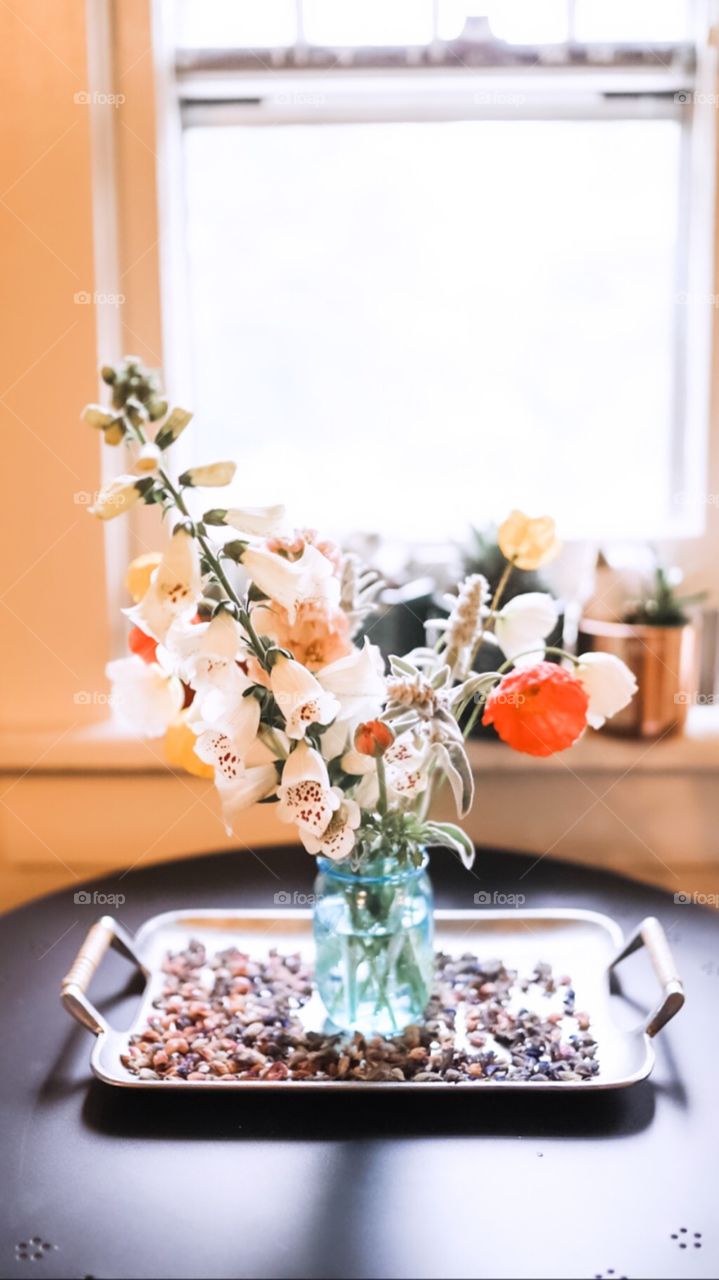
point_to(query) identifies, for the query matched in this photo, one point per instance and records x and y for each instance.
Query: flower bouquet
(244, 654)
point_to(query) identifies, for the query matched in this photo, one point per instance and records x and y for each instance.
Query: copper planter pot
(663, 660)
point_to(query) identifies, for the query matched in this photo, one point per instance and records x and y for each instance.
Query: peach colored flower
(319, 635)
(293, 547)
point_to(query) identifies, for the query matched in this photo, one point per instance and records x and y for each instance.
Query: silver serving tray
(585, 944)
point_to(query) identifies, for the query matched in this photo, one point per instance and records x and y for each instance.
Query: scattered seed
(229, 1017)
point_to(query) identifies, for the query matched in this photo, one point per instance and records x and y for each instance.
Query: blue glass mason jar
(374, 944)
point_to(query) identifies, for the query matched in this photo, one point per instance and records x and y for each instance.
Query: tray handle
(651, 935)
(105, 933)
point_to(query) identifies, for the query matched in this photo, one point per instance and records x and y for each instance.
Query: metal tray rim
(605, 922)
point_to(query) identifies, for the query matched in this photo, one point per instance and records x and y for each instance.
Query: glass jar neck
(383, 868)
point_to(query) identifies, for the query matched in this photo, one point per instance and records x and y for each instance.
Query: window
(417, 232)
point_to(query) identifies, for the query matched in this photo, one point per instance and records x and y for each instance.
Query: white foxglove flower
(300, 697)
(292, 582)
(144, 695)
(336, 739)
(338, 839)
(212, 475)
(406, 765)
(522, 625)
(357, 682)
(148, 459)
(251, 785)
(213, 663)
(116, 498)
(227, 743)
(608, 683)
(305, 795)
(174, 591)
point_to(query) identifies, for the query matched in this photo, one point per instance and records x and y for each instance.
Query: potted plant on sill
(243, 655)
(657, 639)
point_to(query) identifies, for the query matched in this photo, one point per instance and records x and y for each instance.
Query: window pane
(526, 22)
(226, 24)
(408, 327)
(368, 22)
(633, 21)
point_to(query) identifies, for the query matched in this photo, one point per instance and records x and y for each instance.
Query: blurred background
(413, 263)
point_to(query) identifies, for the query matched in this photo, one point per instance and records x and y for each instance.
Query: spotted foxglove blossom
(209, 654)
(300, 697)
(306, 797)
(406, 765)
(522, 625)
(175, 588)
(252, 784)
(144, 695)
(338, 838)
(608, 683)
(227, 743)
(116, 498)
(293, 582)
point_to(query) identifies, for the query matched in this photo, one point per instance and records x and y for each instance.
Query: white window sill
(109, 748)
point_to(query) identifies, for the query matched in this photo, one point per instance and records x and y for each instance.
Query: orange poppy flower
(143, 645)
(539, 710)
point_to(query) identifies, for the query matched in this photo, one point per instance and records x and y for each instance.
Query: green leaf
(400, 667)
(441, 678)
(451, 837)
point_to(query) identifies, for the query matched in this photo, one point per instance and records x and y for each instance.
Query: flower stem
(382, 781)
(550, 648)
(214, 561)
(481, 698)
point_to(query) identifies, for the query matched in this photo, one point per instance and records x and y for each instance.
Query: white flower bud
(148, 459)
(96, 416)
(213, 475)
(116, 497)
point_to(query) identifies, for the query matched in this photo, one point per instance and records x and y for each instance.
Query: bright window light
(373, 22)
(411, 327)
(222, 24)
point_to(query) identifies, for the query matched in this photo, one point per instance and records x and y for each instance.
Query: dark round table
(121, 1183)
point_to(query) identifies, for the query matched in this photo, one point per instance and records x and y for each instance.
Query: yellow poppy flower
(527, 541)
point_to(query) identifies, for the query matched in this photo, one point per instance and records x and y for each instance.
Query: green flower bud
(96, 416)
(172, 427)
